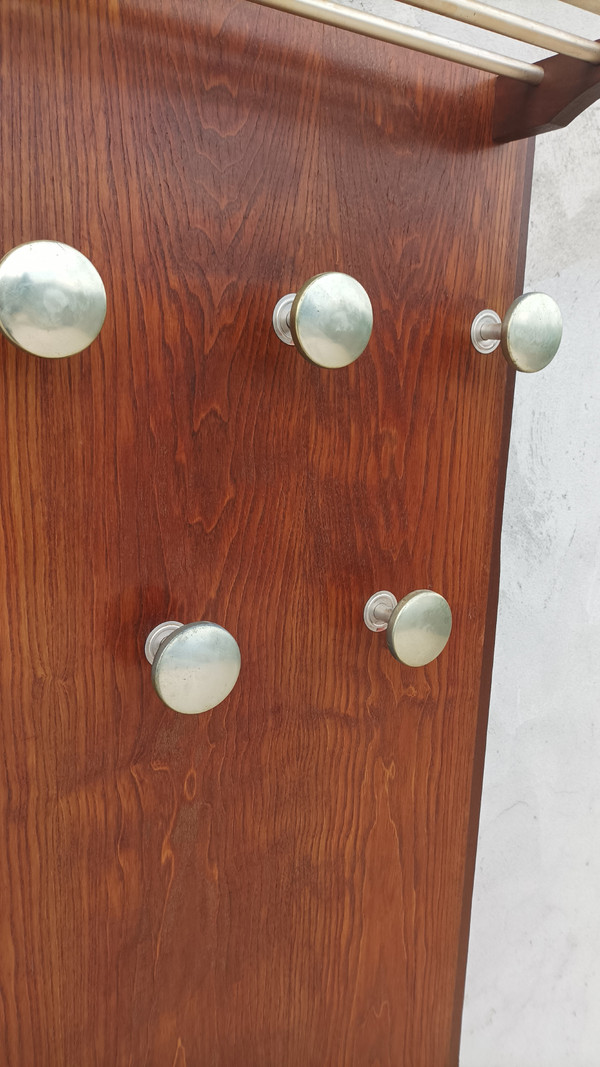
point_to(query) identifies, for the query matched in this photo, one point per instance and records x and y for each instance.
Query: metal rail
(588, 5)
(348, 18)
(523, 29)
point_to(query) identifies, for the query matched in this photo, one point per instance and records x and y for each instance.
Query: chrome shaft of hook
(156, 637)
(378, 609)
(281, 318)
(486, 331)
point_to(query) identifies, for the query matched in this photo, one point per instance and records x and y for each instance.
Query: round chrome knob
(194, 666)
(530, 333)
(52, 299)
(417, 628)
(329, 319)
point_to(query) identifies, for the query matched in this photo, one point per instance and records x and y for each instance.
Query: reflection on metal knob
(194, 667)
(52, 300)
(329, 319)
(530, 333)
(417, 628)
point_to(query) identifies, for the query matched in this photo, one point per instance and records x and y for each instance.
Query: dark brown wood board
(285, 880)
(568, 87)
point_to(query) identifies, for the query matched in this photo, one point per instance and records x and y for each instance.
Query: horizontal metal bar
(588, 5)
(348, 18)
(523, 29)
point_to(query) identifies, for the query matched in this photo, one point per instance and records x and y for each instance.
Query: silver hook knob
(417, 628)
(194, 666)
(52, 299)
(530, 333)
(329, 319)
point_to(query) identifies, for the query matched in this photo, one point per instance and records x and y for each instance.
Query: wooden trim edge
(569, 86)
(488, 649)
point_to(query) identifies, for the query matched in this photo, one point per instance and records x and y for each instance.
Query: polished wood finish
(569, 86)
(285, 880)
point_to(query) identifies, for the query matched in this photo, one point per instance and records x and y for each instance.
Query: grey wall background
(533, 979)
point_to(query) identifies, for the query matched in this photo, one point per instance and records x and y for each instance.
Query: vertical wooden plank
(283, 879)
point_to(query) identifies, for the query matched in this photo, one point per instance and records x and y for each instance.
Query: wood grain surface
(286, 880)
(569, 86)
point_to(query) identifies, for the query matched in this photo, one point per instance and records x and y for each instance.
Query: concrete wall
(533, 981)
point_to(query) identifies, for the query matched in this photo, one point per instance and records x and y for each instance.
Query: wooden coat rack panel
(285, 880)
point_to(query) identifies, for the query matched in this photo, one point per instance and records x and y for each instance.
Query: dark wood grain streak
(283, 880)
(569, 86)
